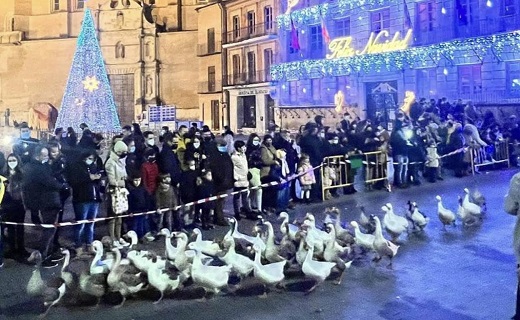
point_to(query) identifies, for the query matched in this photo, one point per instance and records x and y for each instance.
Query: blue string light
(395, 60)
(88, 97)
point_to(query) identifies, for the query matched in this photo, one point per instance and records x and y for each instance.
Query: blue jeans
(84, 233)
(402, 169)
(284, 196)
(140, 225)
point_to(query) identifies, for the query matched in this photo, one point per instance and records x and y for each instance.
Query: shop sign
(252, 92)
(342, 47)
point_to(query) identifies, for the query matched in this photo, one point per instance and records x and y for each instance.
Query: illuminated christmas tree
(88, 97)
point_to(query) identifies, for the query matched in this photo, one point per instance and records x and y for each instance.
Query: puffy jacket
(40, 189)
(116, 171)
(240, 169)
(150, 175)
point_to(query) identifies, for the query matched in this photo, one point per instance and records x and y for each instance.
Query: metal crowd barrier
(335, 171)
(491, 155)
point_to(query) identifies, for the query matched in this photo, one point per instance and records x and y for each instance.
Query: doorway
(246, 108)
(381, 101)
(269, 112)
(215, 115)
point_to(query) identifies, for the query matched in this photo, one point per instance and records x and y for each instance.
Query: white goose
(363, 240)
(394, 224)
(97, 265)
(120, 280)
(269, 274)
(205, 246)
(182, 261)
(211, 278)
(316, 270)
(287, 228)
(446, 216)
(342, 234)
(163, 280)
(241, 238)
(271, 252)
(242, 265)
(417, 218)
(333, 252)
(170, 250)
(383, 247)
(470, 207)
(467, 218)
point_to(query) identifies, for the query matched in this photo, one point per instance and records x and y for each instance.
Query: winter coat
(166, 198)
(240, 170)
(312, 146)
(116, 171)
(188, 185)
(168, 163)
(291, 155)
(512, 206)
(255, 180)
(221, 167)
(40, 188)
(13, 195)
(24, 148)
(205, 189)
(268, 155)
(307, 178)
(139, 199)
(195, 154)
(254, 157)
(150, 176)
(133, 163)
(83, 189)
(432, 157)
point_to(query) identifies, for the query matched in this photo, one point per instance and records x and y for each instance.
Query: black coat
(205, 190)
(291, 154)
(24, 148)
(188, 186)
(41, 190)
(84, 189)
(221, 168)
(133, 164)
(138, 199)
(169, 163)
(312, 146)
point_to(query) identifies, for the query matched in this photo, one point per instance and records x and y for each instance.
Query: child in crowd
(187, 188)
(284, 192)
(307, 178)
(150, 171)
(432, 161)
(166, 198)
(205, 189)
(139, 201)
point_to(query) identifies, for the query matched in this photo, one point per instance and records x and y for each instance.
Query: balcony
(258, 30)
(206, 49)
(209, 87)
(248, 78)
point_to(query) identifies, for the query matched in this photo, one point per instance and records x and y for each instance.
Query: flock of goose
(313, 251)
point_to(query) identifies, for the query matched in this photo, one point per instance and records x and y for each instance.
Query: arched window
(113, 3)
(120, 50)
(126, 3)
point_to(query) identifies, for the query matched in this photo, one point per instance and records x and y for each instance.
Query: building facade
(149, 53)
(374, 51)
(250, 45)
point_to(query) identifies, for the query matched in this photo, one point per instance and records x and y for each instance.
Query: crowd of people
(144, 172)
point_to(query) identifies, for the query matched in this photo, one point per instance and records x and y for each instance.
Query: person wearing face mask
(345, 123)
(115, 168)
(241, 175)
(164, 130)
(14, 210)
(166, 197)
(133, 161)
(195, 151)
(269, 166)
(149, 140)
(187, 188)
(312, 145)
(58, 165)
(24, 146)
(168, 161)
(41, 194)
(85, 180)
(221, 166)
(254, 163)
(139, 200)
(150, 171)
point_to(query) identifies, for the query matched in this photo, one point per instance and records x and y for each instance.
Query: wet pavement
(454, 274)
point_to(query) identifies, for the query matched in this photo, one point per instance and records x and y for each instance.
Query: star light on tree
(91, 83)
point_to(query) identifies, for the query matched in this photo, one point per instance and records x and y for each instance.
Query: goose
(363, 240)
(287, 228)
(333, 252)
(242, 265)
(416, 217)
(97, 265)
(269, 274)
(479, 199)
(121, 280)
(170, 250)
(211, 278)
(181, 261)
(143, 260)
(394, 227)
(446, 216)
(466, 218)
(66, 275)
(271, 250)
(241, 238)
(471, 208)
(302, 252)
(342, 234)
(205, 246)
(94, 285)
(163, 280)
(316, 270)
(383, 247)
(365, 222)
(51, 291)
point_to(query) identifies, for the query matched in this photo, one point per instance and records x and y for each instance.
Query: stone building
(149, 53)
(376, 51)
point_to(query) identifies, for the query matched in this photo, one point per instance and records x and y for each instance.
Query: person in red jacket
(150, 172)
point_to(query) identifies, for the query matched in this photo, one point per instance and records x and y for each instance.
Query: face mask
(137, 183)
(12, 164)
(335, 141)
(123, 155)
(151, 142)
(132, 149)
(151, 159)
(45, 161)
(163, 132)
(322, 135)
(192, 167)
(222, 148)
(174, 146)
(196, 145)
(256, 143)
(25, 135)
(64, 135)
(89, 162)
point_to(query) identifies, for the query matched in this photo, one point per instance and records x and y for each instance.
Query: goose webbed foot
(160, 298)
(43, 315)
(263, 295)
(312, 288)
(121, 304)
(390, 266)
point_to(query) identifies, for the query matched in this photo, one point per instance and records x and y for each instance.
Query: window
(342, 27)
(316, 90)
(426, 83)
(80, 4)
(380, 20)
(316, 42)
(470, 79)
(251, 22)
(268, 18)
(329, 89)
(56, 5)
(215, 117)
(211, 40)
(211, 79)
(251, 66)
(467, 12)
(236, 68)
(508, 8)
(427, 16)
(236, 27)
(268, 61)
(513, 78)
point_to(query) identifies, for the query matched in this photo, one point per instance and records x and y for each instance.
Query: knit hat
(221, 141)
(120, 146)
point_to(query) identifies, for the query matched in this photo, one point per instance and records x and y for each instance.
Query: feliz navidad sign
(342, 47)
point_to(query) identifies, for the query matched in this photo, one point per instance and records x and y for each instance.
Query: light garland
(88, 97)
(314, 14)
(414, 57)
